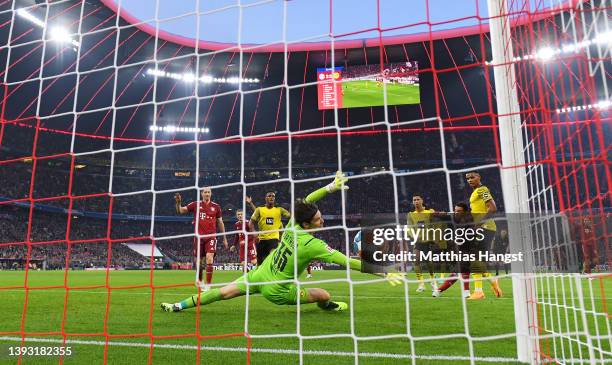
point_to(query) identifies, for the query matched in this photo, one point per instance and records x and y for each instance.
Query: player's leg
(232, 290)
(199, 253)
(243, 261)
(445, 285)
(263, 250)
(418, 269)
(204, 298)
(586, 254)
(210, 260)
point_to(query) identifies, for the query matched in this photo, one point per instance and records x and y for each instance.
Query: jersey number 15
(280, 257)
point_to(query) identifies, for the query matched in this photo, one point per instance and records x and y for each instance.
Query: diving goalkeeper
(280, 264)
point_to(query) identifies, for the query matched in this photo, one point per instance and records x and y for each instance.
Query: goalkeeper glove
(394, 278)
(338, 183)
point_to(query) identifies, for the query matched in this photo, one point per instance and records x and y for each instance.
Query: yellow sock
(477, 282)
(442, 275)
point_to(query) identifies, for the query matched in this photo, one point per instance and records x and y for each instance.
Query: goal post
(513, 175)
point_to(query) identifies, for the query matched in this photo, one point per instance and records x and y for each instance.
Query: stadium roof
(265, 23)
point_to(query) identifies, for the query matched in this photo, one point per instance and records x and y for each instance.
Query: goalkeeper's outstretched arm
(336, 185)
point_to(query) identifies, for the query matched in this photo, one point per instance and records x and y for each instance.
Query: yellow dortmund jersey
(269, 219)
(478, 205)
(420, 219)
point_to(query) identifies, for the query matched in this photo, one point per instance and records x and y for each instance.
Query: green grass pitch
(378, 310)
(362, 93)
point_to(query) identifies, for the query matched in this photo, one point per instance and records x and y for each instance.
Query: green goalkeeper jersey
(280, 263)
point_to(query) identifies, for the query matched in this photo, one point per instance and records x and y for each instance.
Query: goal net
(106, 114)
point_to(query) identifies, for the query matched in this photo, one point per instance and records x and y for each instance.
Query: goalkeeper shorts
(280, 294)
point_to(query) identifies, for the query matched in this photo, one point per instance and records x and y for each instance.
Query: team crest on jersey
(331, 250)
(269, 220)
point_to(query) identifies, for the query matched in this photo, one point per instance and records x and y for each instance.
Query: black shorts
(424, 246)
(477, 246)
(264, 247)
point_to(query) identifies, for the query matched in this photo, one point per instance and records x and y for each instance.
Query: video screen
(362, 86)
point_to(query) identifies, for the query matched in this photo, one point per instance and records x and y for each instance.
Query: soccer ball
(357, 243)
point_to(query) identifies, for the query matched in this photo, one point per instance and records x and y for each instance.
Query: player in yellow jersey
(268, 219)
(421, 217)
(482, 206)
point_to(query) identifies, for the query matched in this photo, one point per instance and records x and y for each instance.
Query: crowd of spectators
(265, 166)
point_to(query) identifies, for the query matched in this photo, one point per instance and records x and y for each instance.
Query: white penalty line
(263, 350)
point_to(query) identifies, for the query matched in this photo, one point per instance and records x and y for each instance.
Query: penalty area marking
(263, 350)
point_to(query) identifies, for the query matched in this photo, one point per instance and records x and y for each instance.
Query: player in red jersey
(585, 234)
(240, 239)
(209, 217)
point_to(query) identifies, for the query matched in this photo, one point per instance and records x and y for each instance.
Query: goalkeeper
(280, 264)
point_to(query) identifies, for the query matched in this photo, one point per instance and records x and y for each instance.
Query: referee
(268, 219)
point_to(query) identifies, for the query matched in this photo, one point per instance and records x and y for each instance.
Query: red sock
(448, 283)
(466, 283)
(209, 272)
(309, 269)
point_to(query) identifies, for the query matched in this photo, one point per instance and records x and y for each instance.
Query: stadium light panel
(24, 14)
(546, 53)
(206, 79)
(175, 129)
(57, 34)
(602, 105)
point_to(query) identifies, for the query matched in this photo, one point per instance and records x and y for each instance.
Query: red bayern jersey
(208, 215)
(240, 235)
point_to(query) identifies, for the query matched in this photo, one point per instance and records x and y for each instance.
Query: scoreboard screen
(365, 85)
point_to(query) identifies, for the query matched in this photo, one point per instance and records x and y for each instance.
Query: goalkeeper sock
(205, 298)
(209, 273)
(477, 282)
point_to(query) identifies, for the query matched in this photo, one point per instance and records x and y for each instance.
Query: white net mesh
(106, 115)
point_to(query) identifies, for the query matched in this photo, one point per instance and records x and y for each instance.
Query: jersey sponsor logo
(269, 220)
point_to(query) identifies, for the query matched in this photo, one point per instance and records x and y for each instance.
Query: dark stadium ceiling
(88, 84)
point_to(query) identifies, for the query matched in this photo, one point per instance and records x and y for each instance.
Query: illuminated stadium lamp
(61, 35)
(175, 129)
(57, 34)
(602, 105)
(546, 53)
(605, 37)
(24, 14)
(207, 79)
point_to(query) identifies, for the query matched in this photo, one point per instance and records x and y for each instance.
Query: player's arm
(254, 219)
(285, 213)
(222, 231)
(337, 184)
(485, 194)
(178, 204)
(249, 203)
(327, 254)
